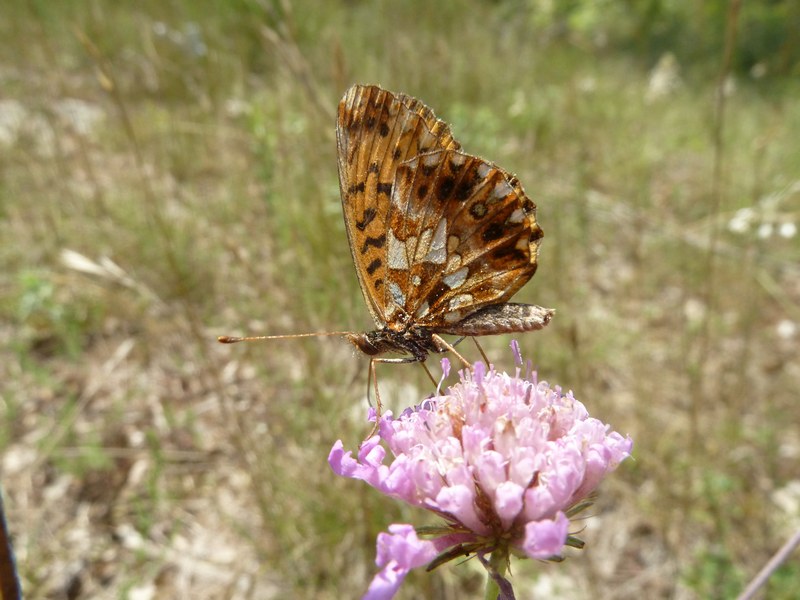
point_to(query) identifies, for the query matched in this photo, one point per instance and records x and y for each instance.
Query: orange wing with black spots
(461, 235)
(376, 131)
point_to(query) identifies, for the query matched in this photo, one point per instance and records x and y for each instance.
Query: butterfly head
(415, 342)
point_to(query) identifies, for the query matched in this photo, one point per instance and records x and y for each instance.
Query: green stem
(498, 563)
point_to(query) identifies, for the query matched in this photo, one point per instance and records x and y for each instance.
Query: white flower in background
(665, 78)
(786, 329)
(742, 221)
(765, 230)
(787, 230)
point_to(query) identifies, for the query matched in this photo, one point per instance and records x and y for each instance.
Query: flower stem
(497, 567)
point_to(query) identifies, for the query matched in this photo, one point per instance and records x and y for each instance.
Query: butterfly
(440, 239)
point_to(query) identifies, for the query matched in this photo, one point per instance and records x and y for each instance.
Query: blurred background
(168, 174)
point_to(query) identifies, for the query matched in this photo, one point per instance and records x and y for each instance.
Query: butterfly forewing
(376, 131)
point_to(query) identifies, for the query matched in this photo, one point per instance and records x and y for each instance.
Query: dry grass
(187, 157)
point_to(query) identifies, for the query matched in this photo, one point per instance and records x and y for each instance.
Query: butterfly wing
(462, 235)
(376, 131)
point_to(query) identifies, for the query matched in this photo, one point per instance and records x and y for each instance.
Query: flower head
(500, 458)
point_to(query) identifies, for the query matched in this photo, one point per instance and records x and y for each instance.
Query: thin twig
(776, 561)
(9, 580)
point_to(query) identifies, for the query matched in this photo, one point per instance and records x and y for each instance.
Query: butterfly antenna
(232, 339)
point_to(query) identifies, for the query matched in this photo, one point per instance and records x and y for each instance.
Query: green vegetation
(184, 153)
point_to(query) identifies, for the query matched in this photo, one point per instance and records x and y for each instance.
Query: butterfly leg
(373, 378)
(480, 349)
(446, 345)
(428, 372)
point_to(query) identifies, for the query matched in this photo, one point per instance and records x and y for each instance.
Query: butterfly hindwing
(461, 235)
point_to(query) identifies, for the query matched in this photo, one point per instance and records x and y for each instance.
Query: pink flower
(399, 551)
(500, 458)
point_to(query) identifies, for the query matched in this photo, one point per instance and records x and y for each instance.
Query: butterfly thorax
(415, 341)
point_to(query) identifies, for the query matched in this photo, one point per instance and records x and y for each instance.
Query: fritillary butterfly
(440, 239)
